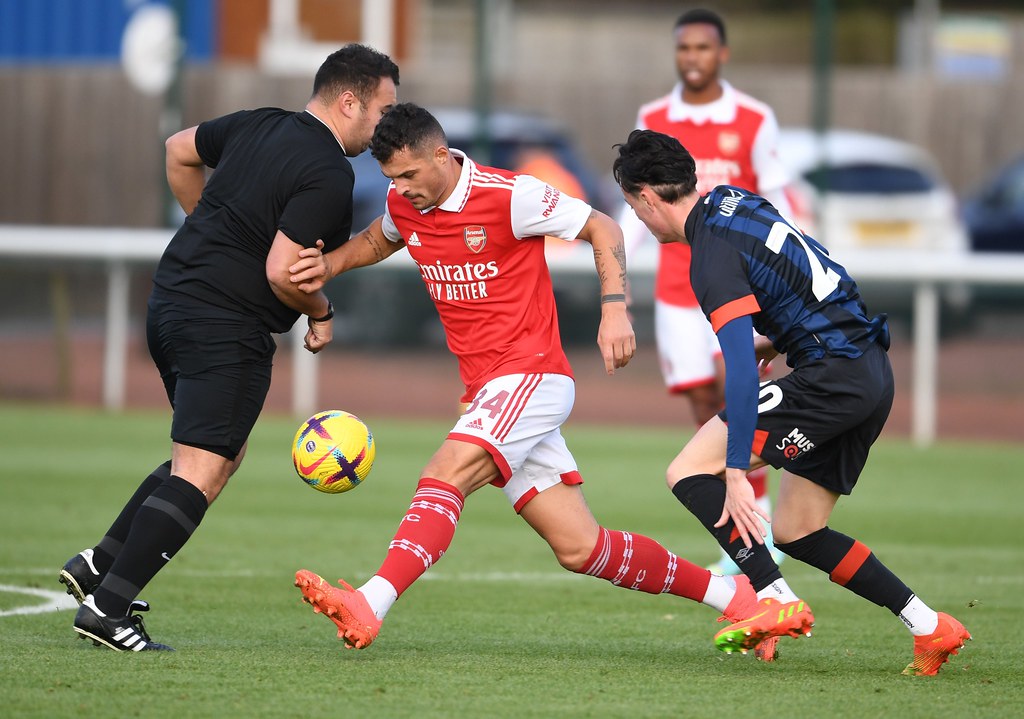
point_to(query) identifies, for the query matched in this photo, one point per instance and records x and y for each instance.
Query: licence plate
(881, 233)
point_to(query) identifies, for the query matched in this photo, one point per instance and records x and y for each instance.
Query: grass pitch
(496, 629)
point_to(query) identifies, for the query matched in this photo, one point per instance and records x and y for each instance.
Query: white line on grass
(55, 601)
(60, 601)
(434, 575)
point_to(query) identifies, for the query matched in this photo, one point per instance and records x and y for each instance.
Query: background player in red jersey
(732, 138)
(477, 236)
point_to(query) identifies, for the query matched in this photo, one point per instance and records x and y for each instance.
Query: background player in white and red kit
(477, 235)
(732, 138)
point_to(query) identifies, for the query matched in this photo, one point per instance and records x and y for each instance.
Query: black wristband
(613, 298)
(329, 315)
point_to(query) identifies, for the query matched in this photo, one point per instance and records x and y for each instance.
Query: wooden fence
(81, 146)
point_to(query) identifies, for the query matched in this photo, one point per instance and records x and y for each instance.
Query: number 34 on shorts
(515, 407)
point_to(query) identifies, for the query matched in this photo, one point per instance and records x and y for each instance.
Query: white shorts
(516, 418)
(687, 346)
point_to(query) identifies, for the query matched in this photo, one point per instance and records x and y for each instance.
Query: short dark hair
(660, 161)
(355, 67)
(702, 16)
(405, 125)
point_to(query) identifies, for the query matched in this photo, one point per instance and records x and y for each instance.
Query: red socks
(638, 562)
(425, 533)
(628, 560)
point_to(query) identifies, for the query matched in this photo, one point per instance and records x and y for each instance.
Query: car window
(868, 178)
(1011, 192)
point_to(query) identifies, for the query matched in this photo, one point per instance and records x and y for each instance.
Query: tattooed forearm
(605, 236)
(619, 253)
(610, 263)
(377, 245)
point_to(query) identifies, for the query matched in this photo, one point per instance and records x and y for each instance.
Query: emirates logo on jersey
(729, 142)
(475, 236)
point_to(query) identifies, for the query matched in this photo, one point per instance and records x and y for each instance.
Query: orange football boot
(743, 606)
(933, 650)
(772, 619)
(347, 608)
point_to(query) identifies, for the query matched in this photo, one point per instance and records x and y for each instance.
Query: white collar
(460, 194)
(719, 111)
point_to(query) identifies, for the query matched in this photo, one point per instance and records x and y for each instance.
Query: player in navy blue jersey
(751, 269)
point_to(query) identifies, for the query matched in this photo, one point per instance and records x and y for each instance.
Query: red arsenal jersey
(732, 141)
(481, 256)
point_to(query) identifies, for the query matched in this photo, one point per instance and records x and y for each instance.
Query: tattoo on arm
(375, 245)
(602, 275)
(618, 254)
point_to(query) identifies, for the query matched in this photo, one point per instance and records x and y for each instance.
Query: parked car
(995, 213)
(509, 134)
(860, 191)
(863, 195)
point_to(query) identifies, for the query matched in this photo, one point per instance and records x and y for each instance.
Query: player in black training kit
(281, 181)
(752, 270)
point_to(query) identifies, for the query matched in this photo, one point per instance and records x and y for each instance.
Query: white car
(871, 198)
(859, 191)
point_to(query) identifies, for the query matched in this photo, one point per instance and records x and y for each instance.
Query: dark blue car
(507, 135)
(995, 214)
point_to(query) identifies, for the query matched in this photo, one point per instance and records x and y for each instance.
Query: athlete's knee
(681, 469)
(787, 530)
(573, 556)
(805, 547)
(678, 469)
(671, 478)
(574, 551)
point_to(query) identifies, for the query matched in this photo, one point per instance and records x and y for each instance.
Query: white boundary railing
(120, 248)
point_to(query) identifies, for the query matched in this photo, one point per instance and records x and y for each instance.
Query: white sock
(720, 592)
(779, 591)
(919, 617)
(380, 593)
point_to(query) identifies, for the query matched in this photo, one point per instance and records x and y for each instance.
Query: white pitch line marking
(55, 601)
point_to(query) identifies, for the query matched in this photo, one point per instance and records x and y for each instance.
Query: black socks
(161, 526)
(850, 564)
(110, 546)
(704, 496)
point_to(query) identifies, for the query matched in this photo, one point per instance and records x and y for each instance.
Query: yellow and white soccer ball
(333, 451)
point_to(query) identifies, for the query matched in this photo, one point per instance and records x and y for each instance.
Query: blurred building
(83, 145)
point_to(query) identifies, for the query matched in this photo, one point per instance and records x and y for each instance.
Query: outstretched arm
(615, 336)
(313, 268)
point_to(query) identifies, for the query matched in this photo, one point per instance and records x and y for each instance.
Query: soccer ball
(333, 451)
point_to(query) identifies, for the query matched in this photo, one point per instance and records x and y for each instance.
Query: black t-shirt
(273, 170)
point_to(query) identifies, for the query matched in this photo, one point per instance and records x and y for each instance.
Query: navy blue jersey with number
(748, 260)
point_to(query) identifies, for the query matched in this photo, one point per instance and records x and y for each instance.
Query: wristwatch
(329, 315)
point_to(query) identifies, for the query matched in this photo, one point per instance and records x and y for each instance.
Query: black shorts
(216, 372)
(820, 420)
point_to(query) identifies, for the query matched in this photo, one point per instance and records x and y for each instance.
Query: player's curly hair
(704, 17)
(355, 67)
(405, 125)
(658, 160)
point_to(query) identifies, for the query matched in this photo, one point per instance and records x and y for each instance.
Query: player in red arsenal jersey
(477, 235)
(732, 138)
